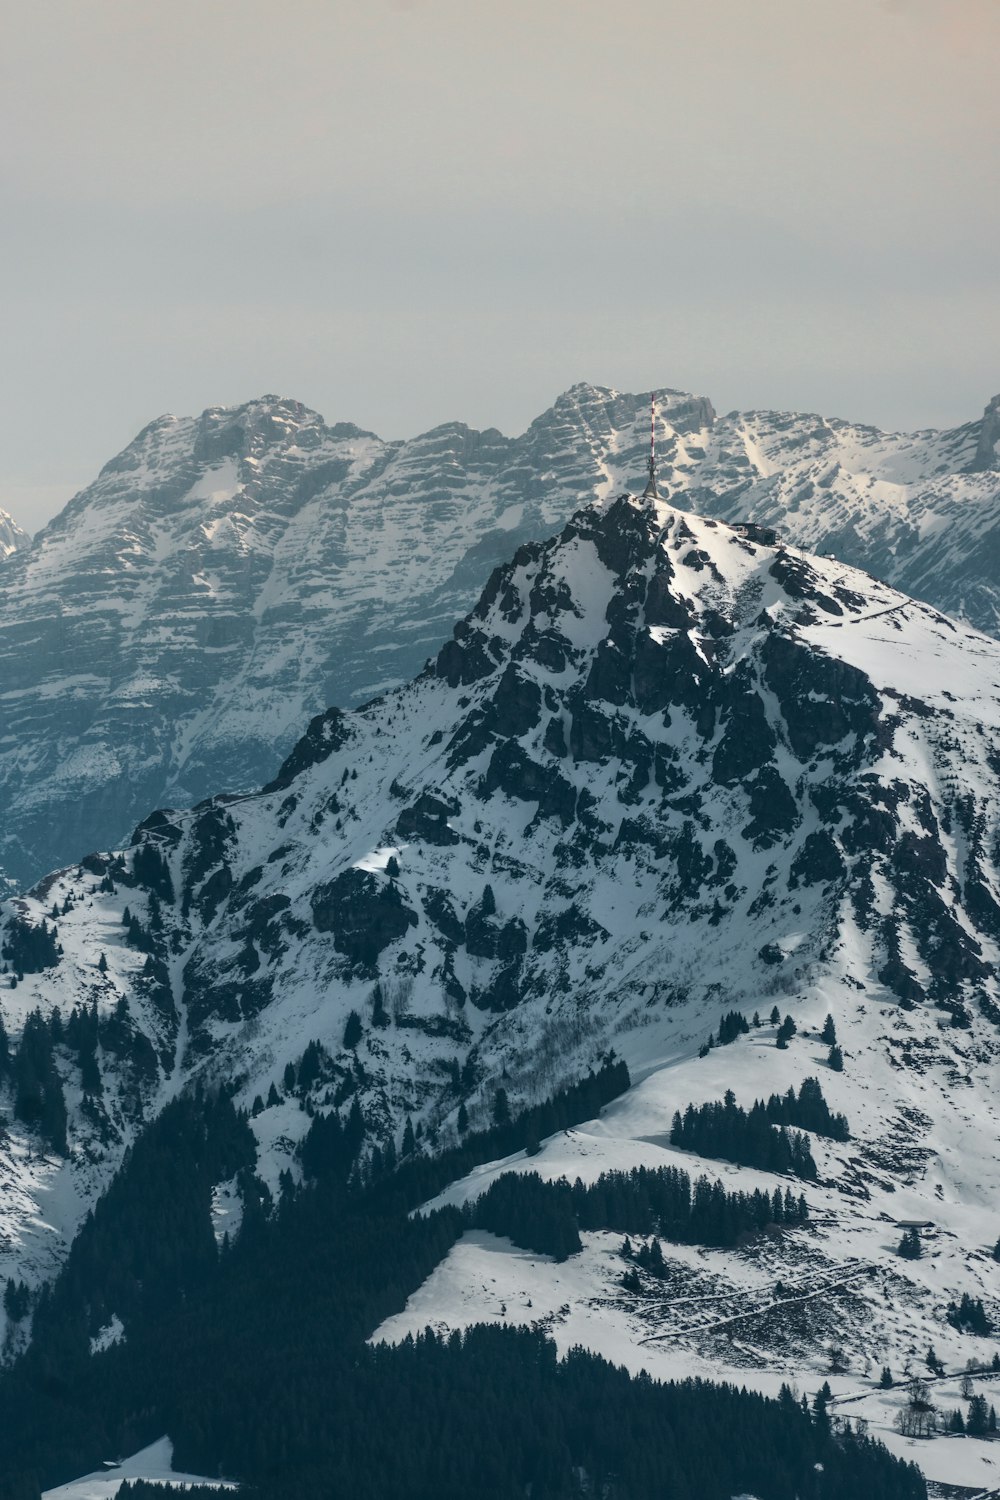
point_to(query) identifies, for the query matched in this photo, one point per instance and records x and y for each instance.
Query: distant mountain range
(228, 576)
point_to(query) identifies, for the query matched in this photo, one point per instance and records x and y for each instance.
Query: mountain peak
(12, 538)
(987, 456)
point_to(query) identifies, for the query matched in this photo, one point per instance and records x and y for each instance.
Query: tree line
(253, 1354)
(748, 1138)
(547, 1215)
(807, 1110)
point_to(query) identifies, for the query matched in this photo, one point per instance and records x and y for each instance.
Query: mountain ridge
(228, 576)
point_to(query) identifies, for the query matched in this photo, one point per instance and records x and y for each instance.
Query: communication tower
(651, 492)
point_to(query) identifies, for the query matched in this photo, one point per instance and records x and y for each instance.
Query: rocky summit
(228, 576)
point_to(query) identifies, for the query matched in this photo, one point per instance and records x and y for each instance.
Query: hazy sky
(407, 211)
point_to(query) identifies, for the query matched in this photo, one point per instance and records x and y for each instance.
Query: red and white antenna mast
(651, 492)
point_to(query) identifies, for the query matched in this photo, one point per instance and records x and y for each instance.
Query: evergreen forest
(253, 1355)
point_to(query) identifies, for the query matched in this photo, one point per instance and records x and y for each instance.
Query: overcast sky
(404, 212)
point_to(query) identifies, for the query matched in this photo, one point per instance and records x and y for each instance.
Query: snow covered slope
(659, 772)
(921, 510)
(153, 1464)
(11, 536)
(230, 575)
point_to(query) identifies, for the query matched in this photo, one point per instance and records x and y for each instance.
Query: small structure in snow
(752, 531)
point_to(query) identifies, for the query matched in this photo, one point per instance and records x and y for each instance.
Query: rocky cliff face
(227, 577)
(659, 771)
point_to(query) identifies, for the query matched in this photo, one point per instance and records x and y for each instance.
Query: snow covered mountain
(226, 577)
(921, 510)
(12, 538)
(659, 773)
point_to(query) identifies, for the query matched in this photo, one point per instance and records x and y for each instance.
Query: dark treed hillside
(255, 1363)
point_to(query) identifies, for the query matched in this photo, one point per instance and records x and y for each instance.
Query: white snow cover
(154, 1464)
(11, 536)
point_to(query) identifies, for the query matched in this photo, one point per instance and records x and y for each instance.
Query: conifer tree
(977, 1419)
(910, 1247)
(786, 1031)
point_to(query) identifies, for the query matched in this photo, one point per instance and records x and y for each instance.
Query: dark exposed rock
(693, 865)
(747, 741)
(555, 738)
(167, 531)
(773, 809)
(214, 891)
(327, 733)
(610, 676)
(980, 903)
(162, 826)
(668, 672)
(439, 907)
(592, 734)
(513, 772)
(512, 941)
(210, 837)
(427, 819)
(661, 605)
(470, 739)
(818, 861)
(871, 829)
(482, 930)
(823, 700)
(569, 927)
(503, 993)
(516, 704)
(920, 858)
(950, 953)
(262, 926)
(800, 582)
(623, 539)
(365, 914)
(987, 454)
(466, 659)
(551, 650)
